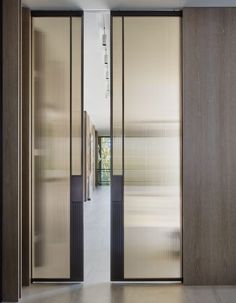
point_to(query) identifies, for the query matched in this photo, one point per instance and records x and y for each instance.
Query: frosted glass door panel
(152, 147)
(51, 147)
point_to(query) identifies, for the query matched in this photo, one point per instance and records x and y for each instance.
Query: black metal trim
(54, 280)
(1, 141)
(154, 280)
(120, 13)
(56, 13)
(111, 134)
(31, 142)
(122, 261)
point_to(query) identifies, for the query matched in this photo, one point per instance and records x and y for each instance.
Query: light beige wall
(89, 158)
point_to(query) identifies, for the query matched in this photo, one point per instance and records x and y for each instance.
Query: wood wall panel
(11, 267)
(209, 146)
(26, 144)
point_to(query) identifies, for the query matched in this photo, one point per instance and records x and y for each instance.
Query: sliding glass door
(146, 147)
(57, 197)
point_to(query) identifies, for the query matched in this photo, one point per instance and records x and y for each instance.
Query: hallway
(97, 237)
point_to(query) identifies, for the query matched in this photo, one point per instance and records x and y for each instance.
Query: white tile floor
(97, 287)
(97, 237)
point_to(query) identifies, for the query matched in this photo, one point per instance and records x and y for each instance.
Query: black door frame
(76, 181)
(117, 181)
(1, 142)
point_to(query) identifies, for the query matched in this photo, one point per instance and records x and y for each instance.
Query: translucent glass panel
(51, 147)
(117, 106)
(152, 149)
(76, 96)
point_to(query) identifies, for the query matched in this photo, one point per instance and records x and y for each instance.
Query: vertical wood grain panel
(11, 150)
(77, 239)
(26, 143)
(209, 146)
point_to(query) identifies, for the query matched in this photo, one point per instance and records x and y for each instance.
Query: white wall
(95, 84)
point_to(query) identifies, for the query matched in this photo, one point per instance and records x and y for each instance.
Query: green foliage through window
(104, 161)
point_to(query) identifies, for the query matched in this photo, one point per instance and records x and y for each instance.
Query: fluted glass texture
(51, 147)
(76, 98)
(152, 147)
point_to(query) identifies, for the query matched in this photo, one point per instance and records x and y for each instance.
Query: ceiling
(123, 4)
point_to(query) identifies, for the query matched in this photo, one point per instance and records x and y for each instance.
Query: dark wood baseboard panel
(209, 146)
(77, 229)
(117, 229)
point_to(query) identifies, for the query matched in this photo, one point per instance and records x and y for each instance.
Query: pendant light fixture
(107, 75)
(104, 36)
(106, 57)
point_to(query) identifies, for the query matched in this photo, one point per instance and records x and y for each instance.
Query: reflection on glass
(117, 95)
(51, 147)
(152, 197)
(76, 96)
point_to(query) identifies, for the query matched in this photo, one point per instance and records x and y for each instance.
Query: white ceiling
(123, 4)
